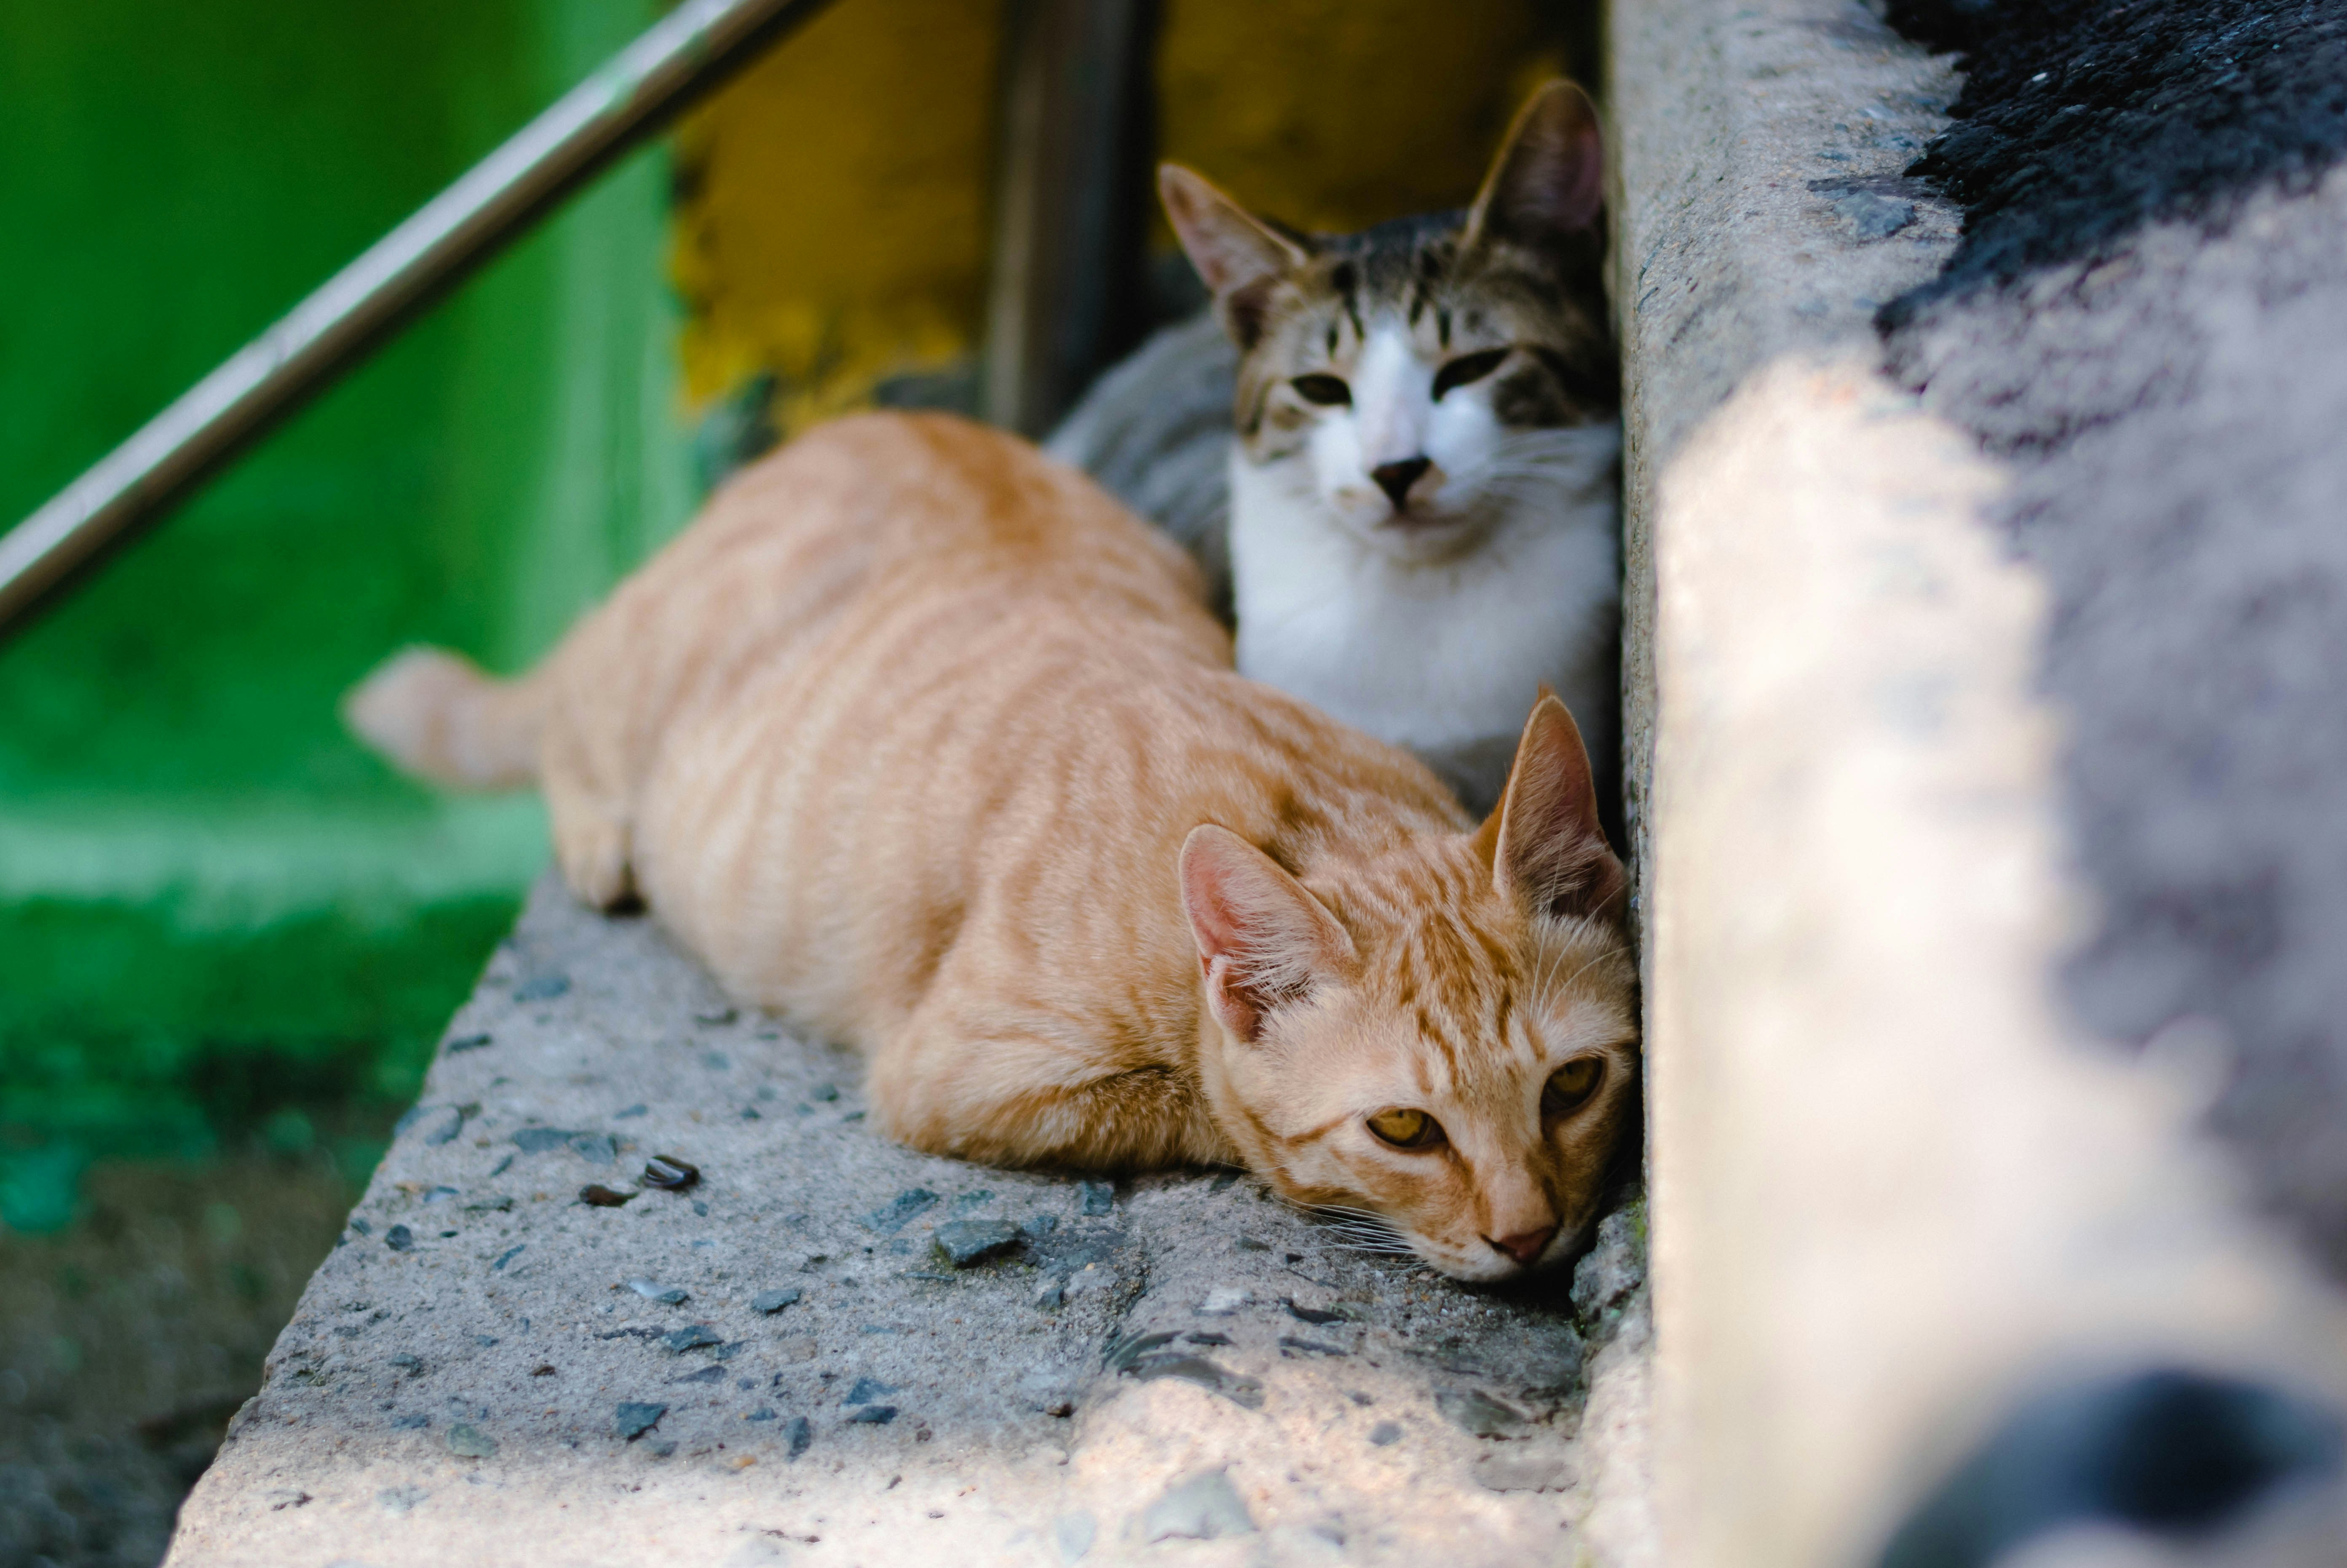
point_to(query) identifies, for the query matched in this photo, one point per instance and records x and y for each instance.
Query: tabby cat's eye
(1570, 1086)
(1329, 391)
(1407, 1129)
(1466, 368)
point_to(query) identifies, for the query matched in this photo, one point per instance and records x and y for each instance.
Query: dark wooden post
(1071, 192)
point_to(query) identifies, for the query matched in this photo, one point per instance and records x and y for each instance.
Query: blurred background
(228, 938)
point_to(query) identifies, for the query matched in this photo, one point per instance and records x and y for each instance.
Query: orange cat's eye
(1570, 1086)
(1407, 1129)
(1328, 391)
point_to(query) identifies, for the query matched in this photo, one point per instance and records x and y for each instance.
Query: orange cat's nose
(1524, 1245)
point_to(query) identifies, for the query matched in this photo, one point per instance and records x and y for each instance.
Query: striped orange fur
(922, 740)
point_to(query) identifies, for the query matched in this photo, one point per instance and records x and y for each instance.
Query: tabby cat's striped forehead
(1450, 296)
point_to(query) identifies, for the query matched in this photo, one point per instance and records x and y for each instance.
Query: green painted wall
(214, 910)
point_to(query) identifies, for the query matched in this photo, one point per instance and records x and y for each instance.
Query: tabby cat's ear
(1262, 938)
(1549, 180)
(1237, 254)
(1546, 848)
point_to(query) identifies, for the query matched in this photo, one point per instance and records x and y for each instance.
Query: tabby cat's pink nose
(1524, 1245)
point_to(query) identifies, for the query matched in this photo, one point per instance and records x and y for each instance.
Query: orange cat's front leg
(946, 1085)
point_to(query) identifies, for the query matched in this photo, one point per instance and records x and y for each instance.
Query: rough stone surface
(2172, 396)
(1897, 1191)
(1058, 1399)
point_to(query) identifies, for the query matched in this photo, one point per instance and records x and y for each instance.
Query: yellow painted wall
(832, 221)
(1333, 115)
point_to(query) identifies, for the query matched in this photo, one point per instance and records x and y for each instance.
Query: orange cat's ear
(1549, 180)
(1262, 938)
(1545, 842)
(1237, 254)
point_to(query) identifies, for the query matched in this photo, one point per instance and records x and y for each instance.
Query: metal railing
(693, 49)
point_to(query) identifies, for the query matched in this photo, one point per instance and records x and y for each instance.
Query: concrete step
(476, 1373)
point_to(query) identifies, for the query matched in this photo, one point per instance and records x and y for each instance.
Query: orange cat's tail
(435, 714)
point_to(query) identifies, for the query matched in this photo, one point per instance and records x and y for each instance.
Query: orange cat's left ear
(1549, 180)
(1545, 842)
(1263, 939)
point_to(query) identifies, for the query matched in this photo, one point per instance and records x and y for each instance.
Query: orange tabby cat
(925, 741)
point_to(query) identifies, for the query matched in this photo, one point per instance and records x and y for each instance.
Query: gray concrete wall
(1896, 1191)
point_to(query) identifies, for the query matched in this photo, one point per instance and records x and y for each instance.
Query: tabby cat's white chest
(1432, 656)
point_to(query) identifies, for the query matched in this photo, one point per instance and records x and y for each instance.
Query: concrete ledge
(1895, 1196)
(1178, 1365)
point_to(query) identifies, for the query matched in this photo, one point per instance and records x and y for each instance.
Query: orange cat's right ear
(1262, 938)
(1546, 847)
(1237, 254)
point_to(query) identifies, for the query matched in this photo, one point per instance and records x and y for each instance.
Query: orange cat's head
(1441, 1042)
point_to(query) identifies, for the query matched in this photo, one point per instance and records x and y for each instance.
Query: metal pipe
(688, 52)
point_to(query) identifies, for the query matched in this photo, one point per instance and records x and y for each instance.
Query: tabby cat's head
(1442, 1043)
(1412, 380)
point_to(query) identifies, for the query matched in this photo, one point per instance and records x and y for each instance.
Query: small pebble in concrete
(710, 1374)
(1312, 1314)
(1242, 1392)
(717, 1017)
(1290, 1342)
(1386, 1432)
(541, 988)
(450, 1122)
(1874, 217)
(597, 1195)
(471, 1442)
(774, 1300)
(867, 1389)
(692, 1337)
(1074, 1533)
(969, 1201)
(873, 1414)
(596, 1148)
(401, 1499)
(670, 1173)
(497, 1205)
(900, 1210)
(763, 1413)
(801, 1432)
(632, 1113)
(412, 1366)
(538, 1140)
(632, 1420)
(749, 1113)
(1207, 1338)
(653, 1290)
(410, 1423)
(968, 1242)
(470, 1042)
(824, 1092)
(507, 1256)
(1207, 1507)
(1097, 1197)
(716, 1061)
(361, 1227)
(1522, 1467)
(399, 1238)
(1038, 1226)
(440, 1194)
(1473, 1411)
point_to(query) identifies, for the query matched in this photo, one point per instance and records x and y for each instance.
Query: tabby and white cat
(1420, 499)
(929, 743)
